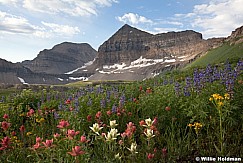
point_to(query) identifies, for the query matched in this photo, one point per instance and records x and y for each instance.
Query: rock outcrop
(129, 54)
(142, 54)
(236, 36)
(15, 73)
(61, 58)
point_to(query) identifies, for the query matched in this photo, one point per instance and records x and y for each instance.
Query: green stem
(221, 133)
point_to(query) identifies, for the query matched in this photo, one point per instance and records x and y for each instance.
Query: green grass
(219, 55)
(5, 92)
(98, 82)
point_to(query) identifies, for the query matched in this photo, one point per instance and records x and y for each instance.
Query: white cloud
(164, 30)
(8, 2)
(13, 24)
(62, 29)
(217, 18)
(69, 7)
(134, 19)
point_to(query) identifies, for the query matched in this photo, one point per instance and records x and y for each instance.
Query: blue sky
(29, 26)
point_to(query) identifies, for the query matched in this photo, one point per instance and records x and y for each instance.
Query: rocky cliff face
(61, 58)
(134, 51)
(128, 44)
(15, 73)
(236, 36)
(130, 54)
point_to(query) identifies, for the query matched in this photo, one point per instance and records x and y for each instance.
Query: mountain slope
(61, 58)
(132, 54)
(231, 49)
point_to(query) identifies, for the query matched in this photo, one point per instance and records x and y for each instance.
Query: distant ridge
(62, 58)
(129, 54)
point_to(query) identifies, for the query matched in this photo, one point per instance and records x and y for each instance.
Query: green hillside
(218, 55)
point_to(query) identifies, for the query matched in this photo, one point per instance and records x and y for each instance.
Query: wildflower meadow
(174, 117)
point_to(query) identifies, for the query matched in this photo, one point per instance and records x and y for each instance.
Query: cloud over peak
(134, 19)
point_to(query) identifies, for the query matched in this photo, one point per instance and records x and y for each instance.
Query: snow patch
(182, 56)
(118, 66)
(84, 66)
(60, 79)
(167, 65)
(22, 80)
(85, 70)
(103, 72)
(170, 60)
(77, 78)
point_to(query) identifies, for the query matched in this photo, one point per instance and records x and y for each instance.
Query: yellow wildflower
(220, 103)
(21, 115)
(40, 120)
(15, 137)
(226, 96)
(198, 125)
(189, 125)
(28, 133)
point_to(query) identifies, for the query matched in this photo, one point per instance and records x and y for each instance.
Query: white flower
(149, 133)
(112, 135)
(148, 122)
(133, 148)
(113, 124)
(96, 128)
(117, 156)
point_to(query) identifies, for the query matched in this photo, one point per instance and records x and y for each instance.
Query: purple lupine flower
(102, 103)
(122, 101)
(108, 94)
(177, 88)
(165, 82)
(3, 99)
(186, 91)
(56, 115)
(89, 103)
(197, 81)
(171, 81)
(114, 108)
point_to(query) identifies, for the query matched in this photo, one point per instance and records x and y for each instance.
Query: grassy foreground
(171, 118)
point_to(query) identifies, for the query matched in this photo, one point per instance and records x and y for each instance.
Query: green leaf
(217, 149)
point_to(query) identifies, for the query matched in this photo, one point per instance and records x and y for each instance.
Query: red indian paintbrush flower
(5, 125)
(89, 118)
(72, 133)
(98, 114)
(22, 128)
(83, 139)
(150, 156)
(48, 143)
(6, 141)
(63, 124)
(76, 151)
(5, 116)
(30, 112)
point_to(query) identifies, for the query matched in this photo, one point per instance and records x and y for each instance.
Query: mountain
(61, 58)
(16, 73)
(129, 54)
(132, 54)
(231, 49)
(50, 66)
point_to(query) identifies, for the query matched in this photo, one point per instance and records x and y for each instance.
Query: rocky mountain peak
(236, 36)
(127, 32)
(62, 58)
